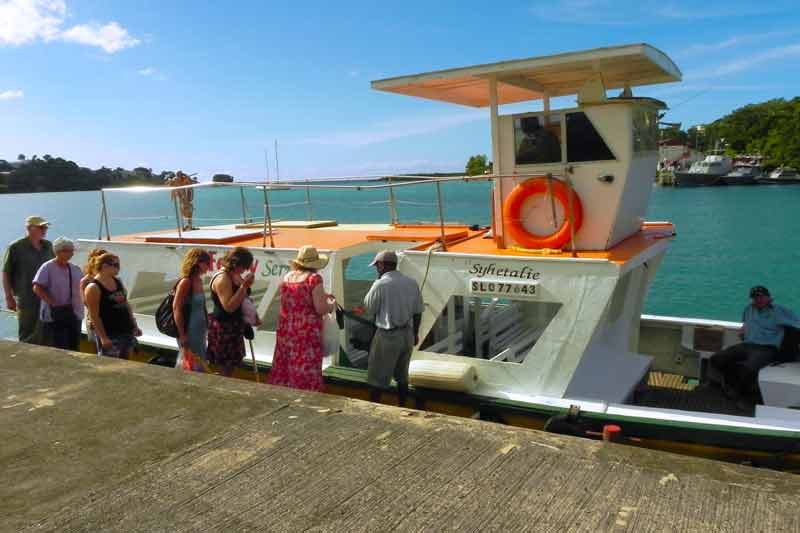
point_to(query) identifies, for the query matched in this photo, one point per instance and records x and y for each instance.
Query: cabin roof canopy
(534, 78)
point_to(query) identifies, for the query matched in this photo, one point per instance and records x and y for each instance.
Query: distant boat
(781, 176)
(704, 173)
(743, 175)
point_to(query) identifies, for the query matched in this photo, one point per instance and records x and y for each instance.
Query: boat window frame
(540, 115)
(562, 112)
(582, 110)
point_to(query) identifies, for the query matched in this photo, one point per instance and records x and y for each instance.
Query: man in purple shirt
(57, 284)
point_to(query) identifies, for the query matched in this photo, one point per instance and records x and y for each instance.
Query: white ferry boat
(709, 171)
(538, 315)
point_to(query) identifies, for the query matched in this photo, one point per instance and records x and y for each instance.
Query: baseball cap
(35, 220)
(385, 256)
(759, 290)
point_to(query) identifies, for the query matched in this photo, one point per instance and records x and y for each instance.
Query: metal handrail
(268, 186)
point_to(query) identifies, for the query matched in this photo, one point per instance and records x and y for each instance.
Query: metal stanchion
(105, 214)
(441, 214)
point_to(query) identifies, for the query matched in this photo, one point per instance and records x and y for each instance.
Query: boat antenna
(277, 170)
(266, 161)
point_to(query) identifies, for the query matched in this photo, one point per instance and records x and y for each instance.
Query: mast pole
(267, 223)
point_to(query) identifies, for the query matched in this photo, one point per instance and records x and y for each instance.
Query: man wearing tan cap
(22, 260)
(394, 303)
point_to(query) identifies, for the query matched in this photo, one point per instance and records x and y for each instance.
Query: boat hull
(692, 179)
(779, 181)
(739, 180)
(736, 445)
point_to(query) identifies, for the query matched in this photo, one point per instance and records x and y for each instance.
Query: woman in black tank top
(111, 314)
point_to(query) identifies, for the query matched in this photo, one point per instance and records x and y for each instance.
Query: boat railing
(388, 183)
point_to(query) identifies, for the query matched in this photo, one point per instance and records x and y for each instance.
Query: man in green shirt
(22, 260)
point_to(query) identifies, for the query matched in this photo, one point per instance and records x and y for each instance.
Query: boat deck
(94, 444)
(459, 239)
(325, 238)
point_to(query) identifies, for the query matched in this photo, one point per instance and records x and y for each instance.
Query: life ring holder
(512, 212)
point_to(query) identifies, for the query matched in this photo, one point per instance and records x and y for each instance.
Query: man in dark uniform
(22, 260)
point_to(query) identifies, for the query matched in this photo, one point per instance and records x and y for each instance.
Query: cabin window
(645, 131)
(537, 142)
(500, 330)
(583, 141)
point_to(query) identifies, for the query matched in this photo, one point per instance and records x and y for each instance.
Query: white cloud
(716, 88)
(11, 95)
(406, 167)
(24, 21)
(110, 37)
(745, 62)
(732, 42)
(695, 13)
(622, 12)
(27, 21)
(150, 72)
(602, 12)
(397, 129)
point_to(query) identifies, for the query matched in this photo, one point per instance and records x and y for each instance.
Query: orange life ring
(512, 213)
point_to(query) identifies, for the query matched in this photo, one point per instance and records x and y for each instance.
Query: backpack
(165, 319)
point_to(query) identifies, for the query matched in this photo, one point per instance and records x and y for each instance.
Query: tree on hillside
(770, 128)
(21, 157)
(222, 178)
(477, 165)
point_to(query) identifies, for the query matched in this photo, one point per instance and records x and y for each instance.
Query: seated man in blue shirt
(762, 332)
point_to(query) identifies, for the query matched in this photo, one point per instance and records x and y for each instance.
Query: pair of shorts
(121, 346)
(389, 356)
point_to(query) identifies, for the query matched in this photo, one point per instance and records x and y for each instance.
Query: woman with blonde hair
(297, 362)
(189, 310)
(107, 300)
(226, 326)
(89, 273)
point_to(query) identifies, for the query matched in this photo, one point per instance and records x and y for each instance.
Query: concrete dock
(97, 444)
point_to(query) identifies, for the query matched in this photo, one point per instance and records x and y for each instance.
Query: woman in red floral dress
(297, 362)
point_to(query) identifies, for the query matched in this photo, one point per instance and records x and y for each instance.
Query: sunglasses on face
(67, 250)
(113, 265)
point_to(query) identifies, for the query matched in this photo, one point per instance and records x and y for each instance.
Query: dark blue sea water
(728, 238)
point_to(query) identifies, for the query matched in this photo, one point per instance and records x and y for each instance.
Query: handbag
(64, 314)
(165, 319)
(330, 334)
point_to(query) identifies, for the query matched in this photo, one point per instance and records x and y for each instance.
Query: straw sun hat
(308, 257)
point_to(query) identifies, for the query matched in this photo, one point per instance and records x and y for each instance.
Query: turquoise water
(728, 238)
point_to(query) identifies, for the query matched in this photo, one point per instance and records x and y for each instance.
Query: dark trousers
(739, 365)
(65, 334)
(30, 328)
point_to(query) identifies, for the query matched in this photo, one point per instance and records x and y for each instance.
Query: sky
(208, 87)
